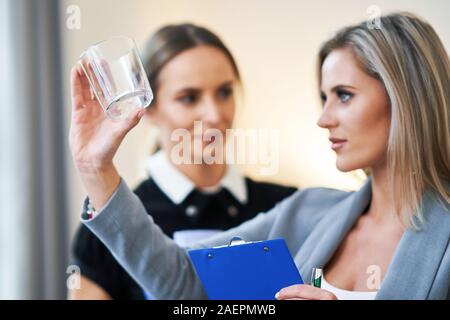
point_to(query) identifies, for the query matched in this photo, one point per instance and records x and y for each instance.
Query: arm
(153, 259)
(94, 140)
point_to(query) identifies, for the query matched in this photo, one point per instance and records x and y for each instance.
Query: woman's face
(356, 112)
(196, 85)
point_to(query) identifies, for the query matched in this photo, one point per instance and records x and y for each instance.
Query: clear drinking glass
(116, 76)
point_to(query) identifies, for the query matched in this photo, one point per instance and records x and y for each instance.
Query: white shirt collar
(177, 186)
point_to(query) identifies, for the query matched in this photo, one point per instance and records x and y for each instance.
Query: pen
(316, 277)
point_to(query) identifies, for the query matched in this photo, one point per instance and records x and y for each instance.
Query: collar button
(191, 211)
(233, 211)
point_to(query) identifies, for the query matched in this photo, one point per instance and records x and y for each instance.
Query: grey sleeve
(154, 260)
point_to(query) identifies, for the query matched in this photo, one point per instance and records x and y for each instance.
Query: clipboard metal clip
(237, 241)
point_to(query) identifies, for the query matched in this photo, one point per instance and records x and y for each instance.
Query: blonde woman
(386, 108)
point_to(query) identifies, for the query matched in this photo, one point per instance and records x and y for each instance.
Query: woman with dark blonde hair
(386, 107)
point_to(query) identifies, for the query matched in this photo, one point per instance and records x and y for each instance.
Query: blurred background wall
(275, 44)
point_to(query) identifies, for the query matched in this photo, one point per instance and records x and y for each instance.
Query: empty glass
(116, 76)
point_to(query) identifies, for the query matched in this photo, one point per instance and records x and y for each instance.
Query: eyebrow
(193, 89)
(340, 86)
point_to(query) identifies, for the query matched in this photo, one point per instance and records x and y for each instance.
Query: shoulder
(307, 206)
(318, 197)
(296, 216)
(144, 188)
(269, 189)
(152, 197)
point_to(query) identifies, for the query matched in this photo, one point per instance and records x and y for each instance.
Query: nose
(212, 112)
(327, 119)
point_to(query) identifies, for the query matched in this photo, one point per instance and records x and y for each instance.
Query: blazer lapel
(417, 258)
(415, 262)
(327, 235)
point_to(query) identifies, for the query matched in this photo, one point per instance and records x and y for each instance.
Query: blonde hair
(408, 57)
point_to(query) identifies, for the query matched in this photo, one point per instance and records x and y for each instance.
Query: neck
(382, 207)
(201, 175)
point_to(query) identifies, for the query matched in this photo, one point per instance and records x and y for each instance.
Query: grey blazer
(312, 221)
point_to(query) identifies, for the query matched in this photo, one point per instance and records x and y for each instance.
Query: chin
(344, 165)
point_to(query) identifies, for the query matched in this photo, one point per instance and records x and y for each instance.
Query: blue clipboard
(245, 271)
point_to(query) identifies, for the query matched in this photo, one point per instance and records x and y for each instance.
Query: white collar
(177, 186)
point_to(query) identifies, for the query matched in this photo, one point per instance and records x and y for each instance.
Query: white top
(342, 294)
(177, 186)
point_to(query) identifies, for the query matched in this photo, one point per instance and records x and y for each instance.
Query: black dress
(198, 211)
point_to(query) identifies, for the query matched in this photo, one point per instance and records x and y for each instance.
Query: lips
(337, 143)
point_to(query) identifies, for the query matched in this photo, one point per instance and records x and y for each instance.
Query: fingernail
(277, 295)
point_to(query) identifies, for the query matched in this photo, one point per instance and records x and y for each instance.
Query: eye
(323, 97)
(225, 92)
(188, 99)
(343, 95)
